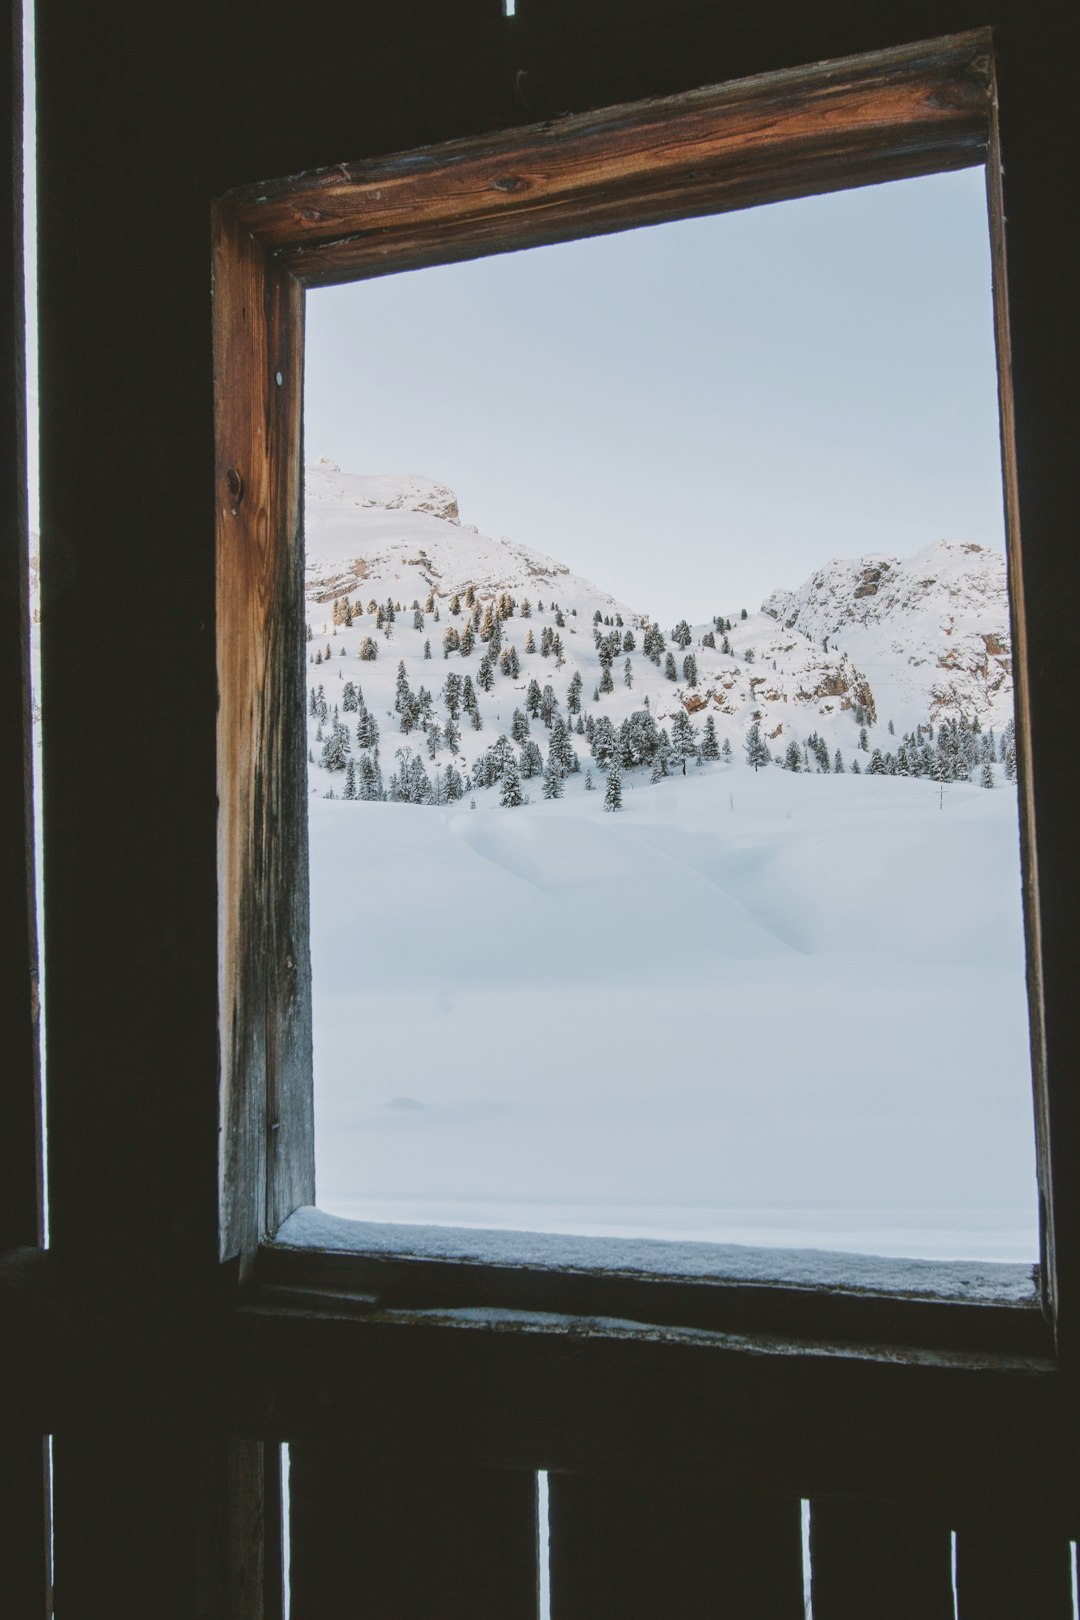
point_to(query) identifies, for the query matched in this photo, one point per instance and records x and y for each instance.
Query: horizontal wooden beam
(518, 1389)
(828, 1311)
(864, 119)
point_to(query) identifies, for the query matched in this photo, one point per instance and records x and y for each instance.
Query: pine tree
(757, 749)
(349, 791)
(710, 745)
(417, 619)
(589, 788)
(628, 673)
(988, 775)
(838, 763)
(467, 639)
(573, 694)
(368, 650)
(511, 796)
(553, 778)
(689, 670)
(726, 751)
(683, 738)
(451, 641)
(613, 791)
(669, 667)
(519, 726)
(427, 649)
(792, 758)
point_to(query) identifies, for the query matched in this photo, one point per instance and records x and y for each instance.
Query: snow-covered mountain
(864, 652)
(402, 533)
(931, 631)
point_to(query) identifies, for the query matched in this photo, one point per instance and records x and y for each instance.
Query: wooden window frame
(891, 115)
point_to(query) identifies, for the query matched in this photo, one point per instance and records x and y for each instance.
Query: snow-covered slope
(930, 631)
(402, 534)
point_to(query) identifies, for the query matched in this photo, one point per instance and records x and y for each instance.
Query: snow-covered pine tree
(683, 737)
(792, 758)
(838, 763)
(511, 796)
(368, 650)
(757, 749)
(669, 667)
(689, 670)
(710, 743)
(613, 790)
(726, 751)
(553, 778)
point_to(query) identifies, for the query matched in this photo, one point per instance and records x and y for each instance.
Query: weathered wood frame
(905, 112)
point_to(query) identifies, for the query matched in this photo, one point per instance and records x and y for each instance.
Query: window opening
(778, 1005)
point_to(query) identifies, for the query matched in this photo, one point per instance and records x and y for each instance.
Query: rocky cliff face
(931, 631)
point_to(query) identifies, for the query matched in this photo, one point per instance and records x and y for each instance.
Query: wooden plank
(371, 1535)
(880, 1559)
(574, 1396)
(640, 1547)
(845, 1315)
(20, 1094)
(838, 124)
(267, 1165)
(1036, 266)
(1010, 1565)
(24, 1511)
(24, 1526)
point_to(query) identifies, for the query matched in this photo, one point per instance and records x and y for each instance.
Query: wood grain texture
(372, 1538)
(267, 1165)
(640, 1548)
(838, 124)
(879, 1559)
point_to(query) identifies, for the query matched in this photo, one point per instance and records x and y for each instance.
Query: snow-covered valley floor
(759, 1007)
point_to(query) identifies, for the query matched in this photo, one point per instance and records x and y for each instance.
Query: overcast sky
(690, 414)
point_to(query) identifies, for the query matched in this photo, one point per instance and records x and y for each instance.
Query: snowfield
(753, 1007)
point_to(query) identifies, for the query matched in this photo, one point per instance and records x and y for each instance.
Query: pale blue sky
(690, 414)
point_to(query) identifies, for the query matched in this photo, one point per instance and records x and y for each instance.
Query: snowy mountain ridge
(862, 642)
(404, 532)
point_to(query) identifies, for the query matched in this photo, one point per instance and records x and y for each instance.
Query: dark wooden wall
(146, 113)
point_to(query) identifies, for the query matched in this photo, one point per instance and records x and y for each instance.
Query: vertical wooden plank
(873, 1558)
(644, 1548)
(267, 1162)
(1009, 1567)
(24, 1517)
(1036, 260)
(379, 1539)
(24, 1526)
